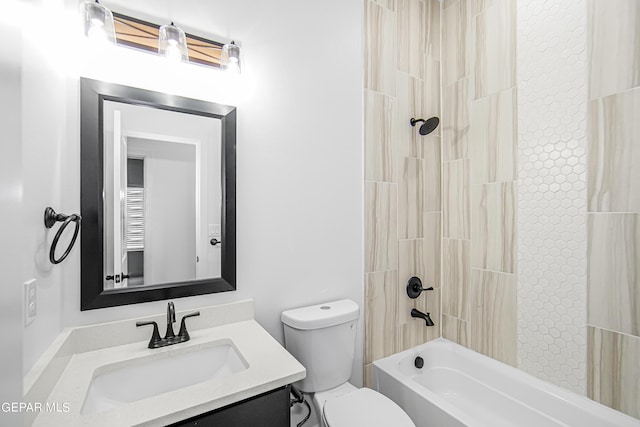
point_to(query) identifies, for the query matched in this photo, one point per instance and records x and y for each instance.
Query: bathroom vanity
(231, 372)
(270, 409)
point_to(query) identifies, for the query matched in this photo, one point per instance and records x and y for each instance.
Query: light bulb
(233, 67)
(172, 43)
(230, 58)
(173, 52)
(98, 22)
(96, 31)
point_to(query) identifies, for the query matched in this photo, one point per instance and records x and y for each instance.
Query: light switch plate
(30, 301)
(214, 230)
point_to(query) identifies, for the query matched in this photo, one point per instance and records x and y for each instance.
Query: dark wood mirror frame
(93, 93)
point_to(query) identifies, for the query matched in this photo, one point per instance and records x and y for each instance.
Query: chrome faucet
(170, 337)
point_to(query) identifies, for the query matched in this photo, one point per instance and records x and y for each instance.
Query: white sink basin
(125, 382)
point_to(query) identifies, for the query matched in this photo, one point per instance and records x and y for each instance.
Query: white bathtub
(459, 387)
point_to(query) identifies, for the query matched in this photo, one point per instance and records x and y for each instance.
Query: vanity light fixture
(98, 22)
(165, 40)
(230, 59)
(172, 43)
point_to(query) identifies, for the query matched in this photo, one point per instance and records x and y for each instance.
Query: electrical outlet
(30, 301)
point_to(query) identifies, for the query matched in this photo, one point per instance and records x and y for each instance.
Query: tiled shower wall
(517, 78)
(613, 332)
(552, 193)
(514, 155)
(402, 173)
(479, 172)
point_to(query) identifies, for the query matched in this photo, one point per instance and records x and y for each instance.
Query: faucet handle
(155, 337)
(414, 287)
(183, 334)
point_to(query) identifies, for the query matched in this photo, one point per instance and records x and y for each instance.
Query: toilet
(322, 338)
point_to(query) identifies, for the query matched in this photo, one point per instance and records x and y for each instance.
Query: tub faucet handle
(414, 287)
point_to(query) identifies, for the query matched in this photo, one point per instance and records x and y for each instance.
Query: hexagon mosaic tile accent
(552, 211)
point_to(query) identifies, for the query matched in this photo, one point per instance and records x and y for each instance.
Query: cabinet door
(270, 409)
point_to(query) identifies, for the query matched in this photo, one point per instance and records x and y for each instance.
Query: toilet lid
(364, 407)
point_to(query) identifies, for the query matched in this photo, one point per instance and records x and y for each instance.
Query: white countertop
(269, 366)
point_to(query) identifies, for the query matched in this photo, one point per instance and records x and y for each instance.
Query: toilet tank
(323, 338)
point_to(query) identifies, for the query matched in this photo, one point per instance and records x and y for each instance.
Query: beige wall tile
(614, 46)
(455, 117)
(414, 330)
(379, 113)
(454, 330)
(432, 247)
(479, 6)
(411, 36)
(402, 38)
(407, 140)
(493, 319)
(449, 3)
(431, 96)
(614, 152)
(411, 263)
(380, 49)
(493, 229)
(495, 138)
(429, 302)
(381, 315)
(368, 375)
(456, 41)
(613, 272)
(432, 174)
(410, 199)
(455, 199)
(388, 4)
(381, 236)
(420, 257)
(416, 99)
(613, 370)
(432, 33)
(456, 277)
(495, 49)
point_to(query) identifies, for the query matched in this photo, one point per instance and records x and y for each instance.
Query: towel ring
(50, 218)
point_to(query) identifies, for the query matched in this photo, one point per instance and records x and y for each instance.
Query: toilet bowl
(347, 405)
(322, 338)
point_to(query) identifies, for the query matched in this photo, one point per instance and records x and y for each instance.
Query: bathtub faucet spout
(421, 315)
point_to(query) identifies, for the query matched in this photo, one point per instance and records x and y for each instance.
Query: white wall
(11, 226)
(299, 147)
(46, 153)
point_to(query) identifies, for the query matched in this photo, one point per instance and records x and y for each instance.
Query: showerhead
(428, 126)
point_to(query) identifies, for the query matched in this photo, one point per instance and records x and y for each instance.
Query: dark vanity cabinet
(270, 409)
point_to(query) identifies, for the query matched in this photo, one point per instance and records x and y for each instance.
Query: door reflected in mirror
(162, 196)
(157, 196)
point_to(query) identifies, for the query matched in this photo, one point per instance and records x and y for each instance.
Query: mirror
(157, 196)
